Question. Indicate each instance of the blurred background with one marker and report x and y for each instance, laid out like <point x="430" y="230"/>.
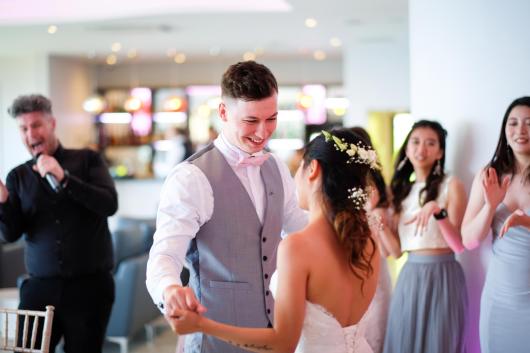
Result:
<point x="139" y="81"/>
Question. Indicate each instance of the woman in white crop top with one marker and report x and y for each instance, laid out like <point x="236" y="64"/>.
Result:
<point x="427" y="311"/>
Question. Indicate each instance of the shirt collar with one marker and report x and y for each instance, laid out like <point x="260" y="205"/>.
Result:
<point x="232" y="153"/>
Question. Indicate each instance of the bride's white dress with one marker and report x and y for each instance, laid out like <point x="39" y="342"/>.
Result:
<point x="322" y="333"/>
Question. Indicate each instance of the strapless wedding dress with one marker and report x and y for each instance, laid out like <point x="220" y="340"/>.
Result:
<point x="322" y="333"/>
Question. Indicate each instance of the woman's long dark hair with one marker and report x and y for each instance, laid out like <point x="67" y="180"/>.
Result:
<point x="403" y="169"/>
<point x="503" y="160"/>
<point x="377" y="176"/>
<point x="349" y="221"/>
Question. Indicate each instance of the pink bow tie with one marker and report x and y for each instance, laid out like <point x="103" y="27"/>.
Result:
<point x="252" y="160"/>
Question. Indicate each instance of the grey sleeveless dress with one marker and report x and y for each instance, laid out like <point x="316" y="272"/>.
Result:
<point x="505" y="304"/>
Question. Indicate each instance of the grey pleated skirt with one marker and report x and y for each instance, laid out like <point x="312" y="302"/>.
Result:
<point x="428" y="307"/>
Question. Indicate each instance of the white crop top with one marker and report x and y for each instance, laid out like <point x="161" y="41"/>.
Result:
<point x="431" y="237"/>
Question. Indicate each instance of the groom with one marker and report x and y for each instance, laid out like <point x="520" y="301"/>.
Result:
<point x="222" y="211"/>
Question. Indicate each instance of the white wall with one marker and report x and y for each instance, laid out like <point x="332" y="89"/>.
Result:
<point x="469" y="60"/>
<point x="138" y="198"/>
<point x="376" y="73"/>
<point x="71" y="82"/>
<point x="18" y="75"/>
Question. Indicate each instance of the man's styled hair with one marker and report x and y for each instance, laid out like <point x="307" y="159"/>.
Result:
<point x="248" y="81"/>
<point x="29" y="104"/>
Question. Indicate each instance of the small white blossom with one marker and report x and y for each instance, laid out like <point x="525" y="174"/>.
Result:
<point x="358" y="197"/>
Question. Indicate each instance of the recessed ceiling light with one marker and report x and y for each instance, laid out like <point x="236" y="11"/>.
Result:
<point x="319" y="55"/>
<point x="180" y="58"/>
<point x="52" y="29"/>
<point x="111" y="59"/>
<point x="310" y="22"/>
<point x="249" y="56"/>
<point x="335" y="42"/>
<point x="116" y="47"/>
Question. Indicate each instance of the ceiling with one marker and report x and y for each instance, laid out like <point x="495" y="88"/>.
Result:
<point x="200" y="29"/>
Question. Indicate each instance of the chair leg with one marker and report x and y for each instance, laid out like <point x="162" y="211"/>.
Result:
<point x="122" y="341"/>
<point x="153" y="326"/>
<point x="124" y="346"/>
<point x="149" y="333"/>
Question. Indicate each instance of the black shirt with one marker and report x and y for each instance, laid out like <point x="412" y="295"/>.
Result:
<point x="67" y="233"/>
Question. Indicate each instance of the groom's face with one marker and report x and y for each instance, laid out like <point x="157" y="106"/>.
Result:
<point x="248" y="125"/>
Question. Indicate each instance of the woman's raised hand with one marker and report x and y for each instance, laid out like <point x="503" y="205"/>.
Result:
<point x="494" y="191"/>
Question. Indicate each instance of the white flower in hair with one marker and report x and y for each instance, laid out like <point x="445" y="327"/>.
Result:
<point x="358" y="196"/>
<point x="352" y="151"/>
<point x="357" y="153"/>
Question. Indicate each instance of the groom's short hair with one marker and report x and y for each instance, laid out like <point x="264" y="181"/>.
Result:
<point x="248" y="81"/>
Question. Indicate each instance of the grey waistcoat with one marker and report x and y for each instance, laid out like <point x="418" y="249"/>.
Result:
<point x="233" y="255"/>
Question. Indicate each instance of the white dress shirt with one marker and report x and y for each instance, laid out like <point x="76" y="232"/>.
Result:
<point x="186" y="203"/>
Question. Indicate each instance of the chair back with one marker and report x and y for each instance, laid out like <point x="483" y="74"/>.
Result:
<point x="23" y="330"/>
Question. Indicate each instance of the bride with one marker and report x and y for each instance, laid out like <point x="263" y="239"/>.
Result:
<point x="326" y="273"/>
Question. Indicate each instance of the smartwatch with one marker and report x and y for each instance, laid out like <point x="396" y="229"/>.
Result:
<point x="440" y="215"/>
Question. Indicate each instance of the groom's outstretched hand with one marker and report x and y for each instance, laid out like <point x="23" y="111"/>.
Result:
<point x="177" y="298"/>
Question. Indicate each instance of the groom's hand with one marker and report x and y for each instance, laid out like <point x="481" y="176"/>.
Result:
<point x="177" y="298"/>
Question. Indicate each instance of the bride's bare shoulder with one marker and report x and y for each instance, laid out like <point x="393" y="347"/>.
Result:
<point x="305" y="242"/>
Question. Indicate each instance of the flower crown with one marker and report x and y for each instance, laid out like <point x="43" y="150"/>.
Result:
<point x="357" y="153"/>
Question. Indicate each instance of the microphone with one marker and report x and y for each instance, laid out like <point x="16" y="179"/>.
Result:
<point x="50" y="178"/>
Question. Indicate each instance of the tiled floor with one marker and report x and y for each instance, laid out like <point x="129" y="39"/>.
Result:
<point x="165" y="342"/>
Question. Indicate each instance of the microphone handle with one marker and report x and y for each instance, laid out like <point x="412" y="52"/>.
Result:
<point x="52" y="181"/>
<point x="50" y="178"/>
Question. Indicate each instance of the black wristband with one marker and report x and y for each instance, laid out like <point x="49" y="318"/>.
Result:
<point x="440" y="215"/>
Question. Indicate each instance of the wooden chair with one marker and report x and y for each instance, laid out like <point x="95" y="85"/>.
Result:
<point x="25" y="323"/>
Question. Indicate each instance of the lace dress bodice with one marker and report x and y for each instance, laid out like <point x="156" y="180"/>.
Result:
<point x="322" y="333"/>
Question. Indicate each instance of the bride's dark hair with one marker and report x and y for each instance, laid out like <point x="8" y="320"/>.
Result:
<point x="338" y="176"/>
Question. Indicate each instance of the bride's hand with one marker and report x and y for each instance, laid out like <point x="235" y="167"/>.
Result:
<point x="184" y="321"/>
<point x="377" y="220"/>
